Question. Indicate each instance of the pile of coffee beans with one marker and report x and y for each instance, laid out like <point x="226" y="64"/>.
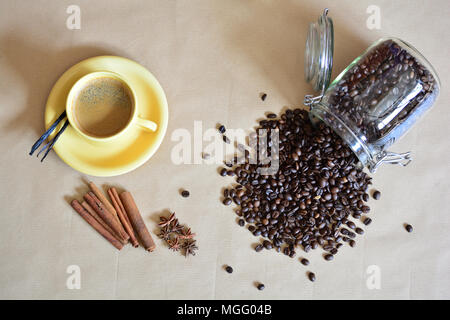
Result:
<point x="311" y="200"/>
<point x="373" y="94"/>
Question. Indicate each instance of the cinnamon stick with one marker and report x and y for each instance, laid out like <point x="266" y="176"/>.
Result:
<point x="122" y="216"/>
<point x="137" y="221"/>
<point x="103" y="199"/>
<point x="96" y="225"/>
<point x="99" y="220"/>
<point x="106" y="216"/>
<point x="116" y="195"/>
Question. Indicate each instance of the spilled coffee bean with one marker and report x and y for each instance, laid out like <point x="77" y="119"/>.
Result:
<point x="222" y="129"/>
<point x="328" y="257"/>
<point x="229" y="269"/>
<point x="185" y="193"/>
<point x="376" y="195"/>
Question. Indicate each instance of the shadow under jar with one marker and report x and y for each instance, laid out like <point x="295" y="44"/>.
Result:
<point x="376" y="99"/>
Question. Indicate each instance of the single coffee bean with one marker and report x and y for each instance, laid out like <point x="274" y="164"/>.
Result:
<point x="225" y="139"/>
<point x="376" y="195"/>
<point x="259" y="247"/>
<point x="408" y="227"/>
<point x="263" y="96"/>
<point x="352" y="243"/>
<point x="267" y="244"/>
<point x="359" y="231"/>
<point x="351" y="224"/>
<point x="222" y="129"/>
<point x="328" y="257"/>
<point x="223" y="172"/>
<point x="367" y="221"/>
<point x="228" y="164"/>
<point x="304" y="261"/>
<point x="365" y="209"/>
<point x="227" y="201"/>
<point x="241" y="222"/>
<point x="271" y="116"/>
<point x="311" y="276"/>
<point x="185" y="193"/>
<point x="229" y="269"/>
<point x="261" y="287"/>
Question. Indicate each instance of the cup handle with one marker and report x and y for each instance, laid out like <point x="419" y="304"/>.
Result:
<point x="146" y="124"/>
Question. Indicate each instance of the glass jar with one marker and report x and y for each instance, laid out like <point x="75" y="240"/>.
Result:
<point x="375" y="100"/>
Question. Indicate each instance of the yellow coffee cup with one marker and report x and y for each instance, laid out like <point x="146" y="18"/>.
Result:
<point x="133" y="119"/>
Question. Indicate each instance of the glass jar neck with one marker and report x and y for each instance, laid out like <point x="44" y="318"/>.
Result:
<point x="319" y="111"/>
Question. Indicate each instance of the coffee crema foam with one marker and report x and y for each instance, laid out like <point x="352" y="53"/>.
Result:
<point x="102" y="107"/>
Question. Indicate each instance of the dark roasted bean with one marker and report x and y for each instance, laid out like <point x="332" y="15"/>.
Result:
<point x="351" y="225"/>
<point x="328" y="257"/>
<point x="185" y="193"/>
<point x="311" y="276"/>
<point x="367" y="221"/>
<point x="229" y="269"/>
<point x="408" y="227"/>
<point x="267" y="244"/>
<point x="261" y="286"/>
<point x="376" y="195"/>
<point x="304" y="261"/>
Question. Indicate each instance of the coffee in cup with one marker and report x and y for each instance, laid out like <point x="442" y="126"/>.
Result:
<point x="102" y="106"/>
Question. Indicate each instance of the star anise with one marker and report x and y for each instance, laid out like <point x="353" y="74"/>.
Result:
<point x="175" y="226"/>
<point x="165" y="233"/>
<point x="186" y="233"/>
<point x="174" y="244"/>
<point x="166" y="221"/>
<point x="189" y="248"/>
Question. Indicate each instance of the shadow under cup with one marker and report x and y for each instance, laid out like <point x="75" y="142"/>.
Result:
<point x="100" y="105"/>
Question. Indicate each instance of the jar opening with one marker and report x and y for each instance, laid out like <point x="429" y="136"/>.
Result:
<point x="319" y="52"/>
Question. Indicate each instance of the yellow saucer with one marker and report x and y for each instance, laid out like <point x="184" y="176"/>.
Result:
<point x="125" y="153"/>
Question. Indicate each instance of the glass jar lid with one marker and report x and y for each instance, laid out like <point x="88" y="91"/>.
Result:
<point x="319" y="52"/>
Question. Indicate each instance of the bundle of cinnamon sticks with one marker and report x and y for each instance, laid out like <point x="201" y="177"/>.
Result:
<point x="119" y="222"/>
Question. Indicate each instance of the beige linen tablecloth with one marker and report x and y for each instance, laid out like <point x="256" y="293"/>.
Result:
<point x="213" y="58"/>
